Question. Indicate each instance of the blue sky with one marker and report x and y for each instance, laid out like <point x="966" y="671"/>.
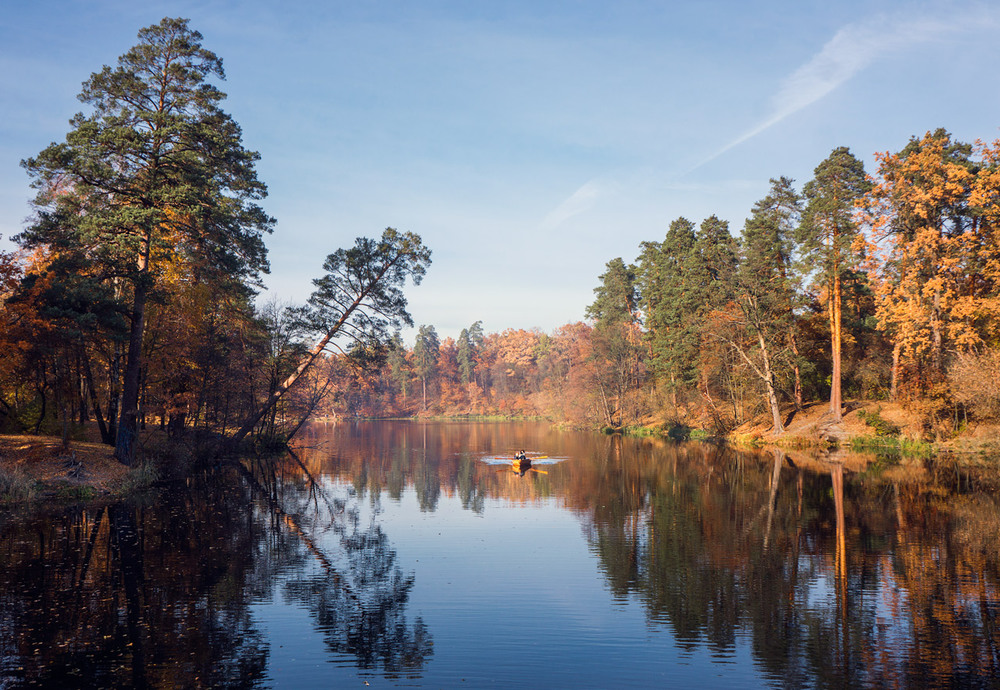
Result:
<point x="530" y="142"/>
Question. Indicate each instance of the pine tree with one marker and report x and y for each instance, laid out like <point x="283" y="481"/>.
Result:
<point x="425" y="356"/>
<point x="156" y="169"/>
<point x="615" y="336"/>
<point x="470" y="341"/>
<point x="672" y="296"/>
<point x="826" y="237"/>
<point x="763" y="289"/>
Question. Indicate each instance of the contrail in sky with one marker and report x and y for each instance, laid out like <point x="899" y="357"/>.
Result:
<point x="851" y="50"/>
<point x="578" y="202"/>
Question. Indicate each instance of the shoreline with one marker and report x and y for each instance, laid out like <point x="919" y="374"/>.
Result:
<point x="41" y="469"/>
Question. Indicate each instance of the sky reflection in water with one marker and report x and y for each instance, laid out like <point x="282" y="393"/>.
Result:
<point x="396" y="553"/>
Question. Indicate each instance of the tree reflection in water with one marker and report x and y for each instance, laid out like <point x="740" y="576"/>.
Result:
<point x="857" y="573"/>
<point x="359" y="597"/>
<point x="850" y="572"/>
<point x="131" y="595"/>
<point x="158" y="594"/>
<point x="805" y="562"/>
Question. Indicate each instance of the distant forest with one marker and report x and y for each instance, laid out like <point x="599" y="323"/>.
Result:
<point x="133" y="302"/>
<point x="879" y="286"/>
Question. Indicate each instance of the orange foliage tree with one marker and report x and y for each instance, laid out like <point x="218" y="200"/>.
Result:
<point x="930" y="250"/>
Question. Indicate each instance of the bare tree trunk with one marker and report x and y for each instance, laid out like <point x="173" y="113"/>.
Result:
<point x="106" y="436"/>
<point x="894" y="386"/>
<point x="936" y="337"/>
<point x="836" y="402"/>
<point x="708" y="396"/>
<point x="114" y="389"/>
<point x="607" y="408"/>
<point x="772" y="396"/>
<point x="795" y="369"/>
<point x="125" y="442"/>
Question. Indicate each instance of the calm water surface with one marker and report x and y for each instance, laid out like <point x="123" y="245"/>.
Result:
<point x="412" y="555"/>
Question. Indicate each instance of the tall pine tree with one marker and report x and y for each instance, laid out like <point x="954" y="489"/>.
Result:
<point x="156" y="169"/>
<point x="826" y="239"/>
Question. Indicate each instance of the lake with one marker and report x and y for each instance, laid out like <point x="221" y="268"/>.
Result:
<point x="408" y="554"/>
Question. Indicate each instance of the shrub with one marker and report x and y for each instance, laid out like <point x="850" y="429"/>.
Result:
<point x="16" y="487"/>
<point x="877" y="423"/>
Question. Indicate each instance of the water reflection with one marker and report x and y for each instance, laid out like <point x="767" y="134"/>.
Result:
<point x="358" y="594"/>
<point x="808" y="571"/>
<point x="129" y="596"/>
<point x="842" y="572"/>
<point x="160" y="594"/>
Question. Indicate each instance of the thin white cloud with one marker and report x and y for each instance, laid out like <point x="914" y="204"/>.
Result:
<point x="583" y="199"/>
<point x="851" y="50"/>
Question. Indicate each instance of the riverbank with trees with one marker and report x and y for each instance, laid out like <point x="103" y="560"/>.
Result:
<point x="863" y="291"/>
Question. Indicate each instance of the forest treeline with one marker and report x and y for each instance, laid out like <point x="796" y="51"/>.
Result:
<point x="132" y="300"/>
<point x="880" y="286"/>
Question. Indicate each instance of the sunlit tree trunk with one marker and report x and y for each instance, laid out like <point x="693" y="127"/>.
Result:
<point x="836" y="402"/>
<point x="894" y="386"/>
<point x="772" y="395"/>
<point x="797" y="376"/>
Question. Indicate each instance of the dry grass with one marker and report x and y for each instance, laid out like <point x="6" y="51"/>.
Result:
<point x="43" y="462"/>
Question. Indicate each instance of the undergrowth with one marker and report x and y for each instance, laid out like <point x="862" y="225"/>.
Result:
<point x="16" y="487"/>
<point x="894" y="444"/>
<point x="879" y="424"/>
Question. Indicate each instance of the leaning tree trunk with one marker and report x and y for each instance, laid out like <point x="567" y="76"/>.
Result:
<point x="253" y="419"/>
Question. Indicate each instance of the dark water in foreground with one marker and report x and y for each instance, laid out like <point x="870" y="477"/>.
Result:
<point x="396" y="554"/>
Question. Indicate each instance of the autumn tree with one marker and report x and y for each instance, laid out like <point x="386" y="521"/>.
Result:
<point x="826" y="237"/>
<point x="63" y="311"/>
<point x="984" y="199"/>
<point x="932" y="250"/>
<point x="10" y="273"/>
<point x="156" y="169"/>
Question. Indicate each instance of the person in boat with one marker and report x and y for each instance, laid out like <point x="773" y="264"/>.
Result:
<point x="520" y="456"/>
